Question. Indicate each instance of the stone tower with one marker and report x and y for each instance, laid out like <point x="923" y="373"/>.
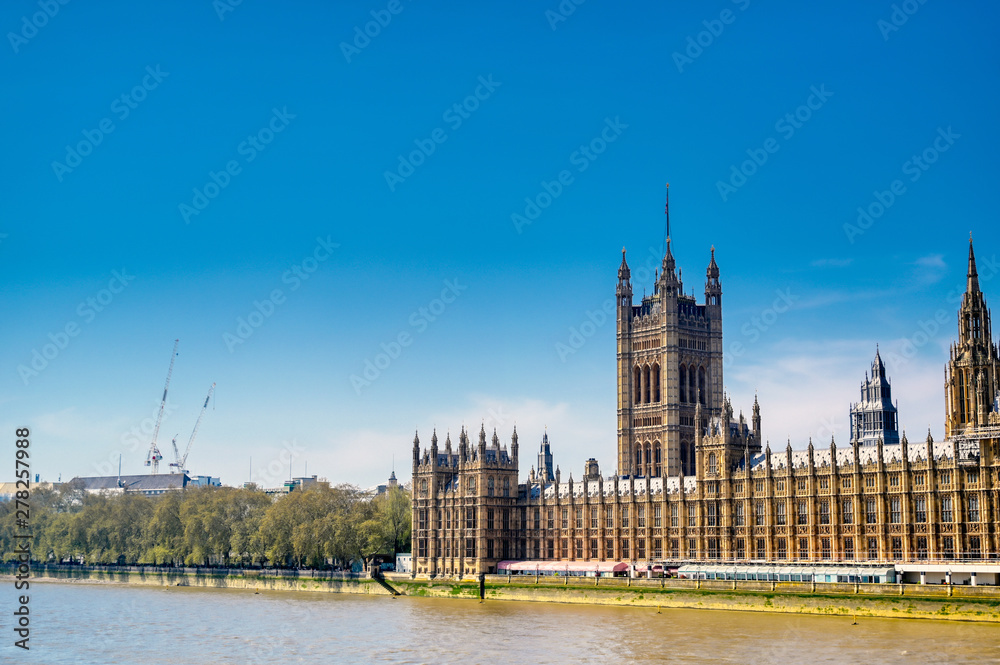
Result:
<point x="463" y="505"/>
<point x="875" y="416"/>
<point x="545" y="473"/>
<point x="726" y="442"/>
<point x="973" y="372"/>
<point x="669" y="361"/>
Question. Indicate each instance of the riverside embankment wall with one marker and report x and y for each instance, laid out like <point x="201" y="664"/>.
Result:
<point x="956" y="603"/>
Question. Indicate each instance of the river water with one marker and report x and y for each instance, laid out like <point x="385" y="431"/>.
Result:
<point x="106" y="624"/>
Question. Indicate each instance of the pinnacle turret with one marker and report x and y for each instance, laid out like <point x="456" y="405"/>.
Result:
<point x="669" y="264"/>
<point x="713" y="288"/>
<point x="624" y="290"/>
<point x="972" y="285"/>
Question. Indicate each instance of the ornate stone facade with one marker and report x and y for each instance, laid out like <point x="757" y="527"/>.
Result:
<point x="729" y="498"/>
<point x="875" y="417"/>
<point x="669" y="361"/>
<point x="972" y="383"/>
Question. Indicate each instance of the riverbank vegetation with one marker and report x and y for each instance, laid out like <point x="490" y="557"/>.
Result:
<point x="318" y="527"/>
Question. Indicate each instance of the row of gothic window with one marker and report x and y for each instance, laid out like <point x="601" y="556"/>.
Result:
<point x="471" y="486"/>
<point x="648" y="459"/>
<point x="693" y="382"/>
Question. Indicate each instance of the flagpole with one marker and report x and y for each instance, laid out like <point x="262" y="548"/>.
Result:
<point x="666" y="213"/>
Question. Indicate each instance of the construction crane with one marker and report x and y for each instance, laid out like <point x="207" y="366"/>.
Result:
<point x="179" y="461"/>
<point x="153" y="457"/>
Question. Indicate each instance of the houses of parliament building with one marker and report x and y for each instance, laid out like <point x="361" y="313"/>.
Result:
<point x="696" y="483"/>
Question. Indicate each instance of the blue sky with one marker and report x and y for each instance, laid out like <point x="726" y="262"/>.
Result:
<point x="287" y="122"/>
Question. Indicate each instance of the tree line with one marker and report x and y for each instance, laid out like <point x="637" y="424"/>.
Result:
<point x="318" y="527"/>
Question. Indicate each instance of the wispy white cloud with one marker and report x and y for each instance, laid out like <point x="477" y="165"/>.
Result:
<point x="576" y="432"/>
<point x="931" y="261"/>
<point x="806" y="388"/>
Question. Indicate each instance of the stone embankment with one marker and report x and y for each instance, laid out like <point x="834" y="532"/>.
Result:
<point x="910" y="601"/>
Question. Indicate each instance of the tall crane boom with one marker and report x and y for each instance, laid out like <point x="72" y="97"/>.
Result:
<point x="181" y="461"/>
<point x="153" y="457"/>
<point x="173" y="442"/>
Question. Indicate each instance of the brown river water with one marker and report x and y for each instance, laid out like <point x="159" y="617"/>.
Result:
<point x="99" y="624"/>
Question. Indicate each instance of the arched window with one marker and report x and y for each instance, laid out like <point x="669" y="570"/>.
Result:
<point x="649" y="459"/>
<point x="702" y="387"/>
<point x="638" y="458"/>
<point x="683" y="379"/>
<point x="693" y="384"/>
<point x="657" y="460"/>
<point x="506" y="486"/>
<point x="645" y="385"/>
<point x="472" y="485"/>
<point x="423" y="487"/>
<point x="489" y="486"/>
<point x="656" y="382"/>
<point x="713" y="464"/>
<point x="637" y="391"/>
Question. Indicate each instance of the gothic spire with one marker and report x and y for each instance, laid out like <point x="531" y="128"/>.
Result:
<point x="668" y="259"/>
<point x="713" y="289"/>
<point x="878" y="367"/>
<point x="624" y="274"/>
<point x="973" y="277"/>
<point x="624" y="290"/>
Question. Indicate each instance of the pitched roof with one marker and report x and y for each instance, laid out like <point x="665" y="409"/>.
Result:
<point x="137" y="483"/>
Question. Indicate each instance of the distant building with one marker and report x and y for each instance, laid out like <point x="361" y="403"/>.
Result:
<point x="379" y="490"/>
<point x="874" y="418"/>
<point x="293" y="484"/>
<point x="205" y="481"/>
<point x="545" y="471"/>
<point x="9" y="491"/>
<point x="148" y="484"/>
